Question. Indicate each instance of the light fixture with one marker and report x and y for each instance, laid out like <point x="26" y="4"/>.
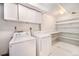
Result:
<point x="61" y="12"/>
<point x="61" y="9"/>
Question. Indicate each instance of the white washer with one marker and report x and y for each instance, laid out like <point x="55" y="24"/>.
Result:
<point x="43" y="43"/>
<point x="22" y="46"/>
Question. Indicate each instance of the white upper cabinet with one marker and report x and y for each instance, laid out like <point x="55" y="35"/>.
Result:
<point x="21" y="13"/>
<point x="35" y="16"/>
<point x="24" y="13"/>
<point x="10" y="11"/>
<point x="29" y="15"/>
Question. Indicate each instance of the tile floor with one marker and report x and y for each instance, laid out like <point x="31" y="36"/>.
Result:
<point x="64" y="49"/>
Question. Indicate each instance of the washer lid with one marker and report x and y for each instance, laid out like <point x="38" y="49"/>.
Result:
<point x="21" y="37"/>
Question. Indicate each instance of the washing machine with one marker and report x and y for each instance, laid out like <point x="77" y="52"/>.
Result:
<point x="43" y="43"/>
<point x="22" y="45"/>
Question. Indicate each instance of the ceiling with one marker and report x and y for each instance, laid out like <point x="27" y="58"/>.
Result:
<point x="45" y="6"/>
<point x="64" y="7"/>
<point x="58" y="8"/>
<point x="71" y="7"/>
<point x="48" y="6"/>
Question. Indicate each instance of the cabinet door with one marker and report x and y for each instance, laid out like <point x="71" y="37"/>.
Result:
<point x="24" y="15"/>
<point x="10" y="11"/>
<point x="38" y="17"/>
<point x="29" y="15"/>
<point x="45" y="46"/>
<point x="35" y="16"/>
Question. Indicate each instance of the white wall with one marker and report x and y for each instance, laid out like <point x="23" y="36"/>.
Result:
<point x="68" y="24"/>
<point x="48" y="23"/>
<point x="7" y="29"/>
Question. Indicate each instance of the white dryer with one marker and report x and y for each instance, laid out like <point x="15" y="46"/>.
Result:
<point x="43" y="43"/>
<point x="22" y="45"/>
